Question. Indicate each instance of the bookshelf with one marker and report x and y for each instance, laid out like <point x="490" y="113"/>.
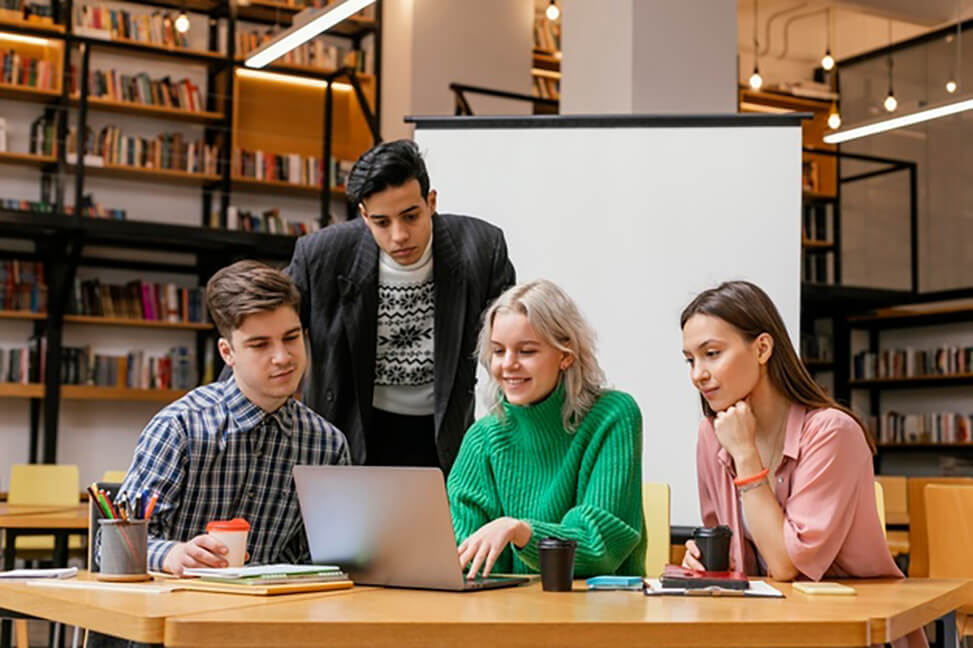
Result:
<point x="924" y="391"/>
<point x="315" y="112"/>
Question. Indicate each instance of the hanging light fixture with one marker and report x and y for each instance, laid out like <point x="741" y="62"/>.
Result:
<point x="890" y="103"/>
<point x="553" y="13"/>
<point x="182" y="22"/>
<point x="884" y="124"/>
<point x="834" y="118"/>
<point x="306" y="25"/>
<point x="827" y="61"/>
<point x="951" y="85"/>
<point x="755" y="79"/>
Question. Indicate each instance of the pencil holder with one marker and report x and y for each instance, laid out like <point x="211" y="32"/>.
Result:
<point x="124" y="550"/>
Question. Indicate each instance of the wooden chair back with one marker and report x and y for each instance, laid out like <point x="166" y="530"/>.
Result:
<point x="918" y="527"/>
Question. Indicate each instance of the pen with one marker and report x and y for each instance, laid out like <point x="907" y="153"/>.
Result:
<point x="151" y="505"/>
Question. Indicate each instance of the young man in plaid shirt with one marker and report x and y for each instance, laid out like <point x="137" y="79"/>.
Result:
<point x="227" y="449"/>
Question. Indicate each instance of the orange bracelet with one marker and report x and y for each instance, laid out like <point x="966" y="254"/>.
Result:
<point x="749" y="480"/>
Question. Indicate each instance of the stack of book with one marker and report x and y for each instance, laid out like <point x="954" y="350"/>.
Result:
<point x="19" y="69"/>
<point x="17" y="10"/>
<point x="266" y="579"/>
<point x="288" y="167"/>
<point x="909" y="363"/>
<point x="138" y="300"/>
<point x="155" y="28"/>
<point x="22" y="286"/>
<point x="936" y="427"/>
<point x="142" y="89"/>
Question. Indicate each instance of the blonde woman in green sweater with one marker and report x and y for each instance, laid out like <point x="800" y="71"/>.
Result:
<point x="558" y="455"/>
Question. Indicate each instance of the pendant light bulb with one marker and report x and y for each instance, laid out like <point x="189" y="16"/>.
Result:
<point x="756" y="80"/>
<point x="834" y="118"/>
<point x="182" y="22"/>
<point x="890" y="102"/>
<point x="553" y="13"/>
<point x="951" y="86"/>
<point x="827" y="61"/>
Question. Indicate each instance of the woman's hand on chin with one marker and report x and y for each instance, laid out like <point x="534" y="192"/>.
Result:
<point x="736" y="430"/>
<point x="488" y="542"/>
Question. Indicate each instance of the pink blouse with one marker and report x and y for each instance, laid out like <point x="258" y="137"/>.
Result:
<point x="825" y="486"/>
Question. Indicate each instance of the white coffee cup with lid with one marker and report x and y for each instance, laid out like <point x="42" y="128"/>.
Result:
<point x="233" y="533"/>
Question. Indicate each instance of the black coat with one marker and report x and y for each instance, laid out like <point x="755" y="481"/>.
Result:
<point x="336" y="270"/>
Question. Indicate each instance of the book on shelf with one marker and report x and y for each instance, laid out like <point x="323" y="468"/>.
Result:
<point x="3" y="135"/>
<point x="267" y="222"/>
<point x="16" y="204"/>
<point x="96" y="20"/>
<point x="288" y="167"/>
<point x="912" y="363"/>
<point x="18" y="10"/>
<point x="43" y="135"/>
<point x="20" y="69"/>
<point x="547" y="33"/>
<point x="816" y="347"/>
<point x="141" y="89"/>
<point x="316" y="53"/>
<point x="176" y="369"/>
<point x="893" y="428"/>
<point x="165" y="151"/>
<point x="22" y="286"/>
<point x="138" y="300"/>
<point x="547" y="88"/>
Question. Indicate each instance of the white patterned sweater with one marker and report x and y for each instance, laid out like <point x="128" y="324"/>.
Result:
<point x="405" y="336"/>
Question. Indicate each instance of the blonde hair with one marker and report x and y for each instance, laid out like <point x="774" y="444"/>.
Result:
<point x="558" y="321"/>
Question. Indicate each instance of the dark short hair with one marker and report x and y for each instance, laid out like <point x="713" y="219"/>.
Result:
<point x="390" y="164"/>
<point x="244" y="288"/>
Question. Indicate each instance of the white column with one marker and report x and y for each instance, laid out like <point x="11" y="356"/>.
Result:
<point x="649" y="56"/>
<point x="428" y="44"/>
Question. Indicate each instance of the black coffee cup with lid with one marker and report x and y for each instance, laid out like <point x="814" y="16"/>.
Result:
<point x="557" y="563"/>
<point x="714" y="547"/>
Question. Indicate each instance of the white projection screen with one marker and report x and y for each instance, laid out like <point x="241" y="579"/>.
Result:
<point x="633" y="216"/>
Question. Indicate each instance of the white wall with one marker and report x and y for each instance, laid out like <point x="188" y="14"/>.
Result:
<point x="633" y="237"/>
<point x="428" y="44"/>
<point x="597" y="61"/>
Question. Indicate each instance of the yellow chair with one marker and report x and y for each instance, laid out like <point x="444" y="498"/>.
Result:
<point x="880" y="504"/>
<point x="44" y="485"/>
<point x="949" y="534"/>
<point x="114" y="476"/>
<point x="655" y="509"/>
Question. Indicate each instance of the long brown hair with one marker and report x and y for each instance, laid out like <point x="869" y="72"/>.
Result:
<point x="750" y="311"/>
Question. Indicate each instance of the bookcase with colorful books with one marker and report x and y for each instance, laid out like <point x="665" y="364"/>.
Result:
<point x="546" y="68"/>
<point x="159" y="108"/>
<point x="912" y="367"/>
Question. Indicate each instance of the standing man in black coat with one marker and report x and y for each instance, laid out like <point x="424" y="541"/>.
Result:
<point x="392" y="302"/>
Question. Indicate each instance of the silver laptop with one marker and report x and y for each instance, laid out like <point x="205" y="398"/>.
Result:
<point x="384" y="526"/>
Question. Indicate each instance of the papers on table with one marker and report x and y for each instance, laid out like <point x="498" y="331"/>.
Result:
<point x="262" y="571"/>
<point x="758" y="589"/>
<point x="63" y="572"/>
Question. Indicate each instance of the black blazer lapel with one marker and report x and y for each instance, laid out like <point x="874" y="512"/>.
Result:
<point x="359" y="313"/>
<point x="449" y="276"/>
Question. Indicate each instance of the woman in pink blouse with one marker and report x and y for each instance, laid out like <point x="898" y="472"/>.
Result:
<point x="778" y="461"/>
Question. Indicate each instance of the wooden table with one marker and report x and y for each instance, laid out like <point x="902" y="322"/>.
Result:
<point x="131" y="615"/>
<point x="528" y="617"/>
<point x="38" y="520"/>
<point x="41" y="520"/>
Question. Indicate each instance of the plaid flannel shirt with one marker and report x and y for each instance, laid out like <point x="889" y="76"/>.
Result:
<point x="214" y="455"/>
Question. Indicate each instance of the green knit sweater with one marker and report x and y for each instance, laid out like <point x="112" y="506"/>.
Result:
<point x="583" y="485"/>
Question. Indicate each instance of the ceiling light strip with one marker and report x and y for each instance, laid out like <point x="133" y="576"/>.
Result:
<point x="900" y="121"/>
<point x="301" y="33"/>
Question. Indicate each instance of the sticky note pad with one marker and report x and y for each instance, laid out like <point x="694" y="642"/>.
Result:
<point x="824" y="588"/>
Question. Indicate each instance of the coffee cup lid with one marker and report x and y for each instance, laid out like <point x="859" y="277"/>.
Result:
<point x="555" y="543"/>
<point x="236" y="524"/>
<point x="712" y="532"/>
